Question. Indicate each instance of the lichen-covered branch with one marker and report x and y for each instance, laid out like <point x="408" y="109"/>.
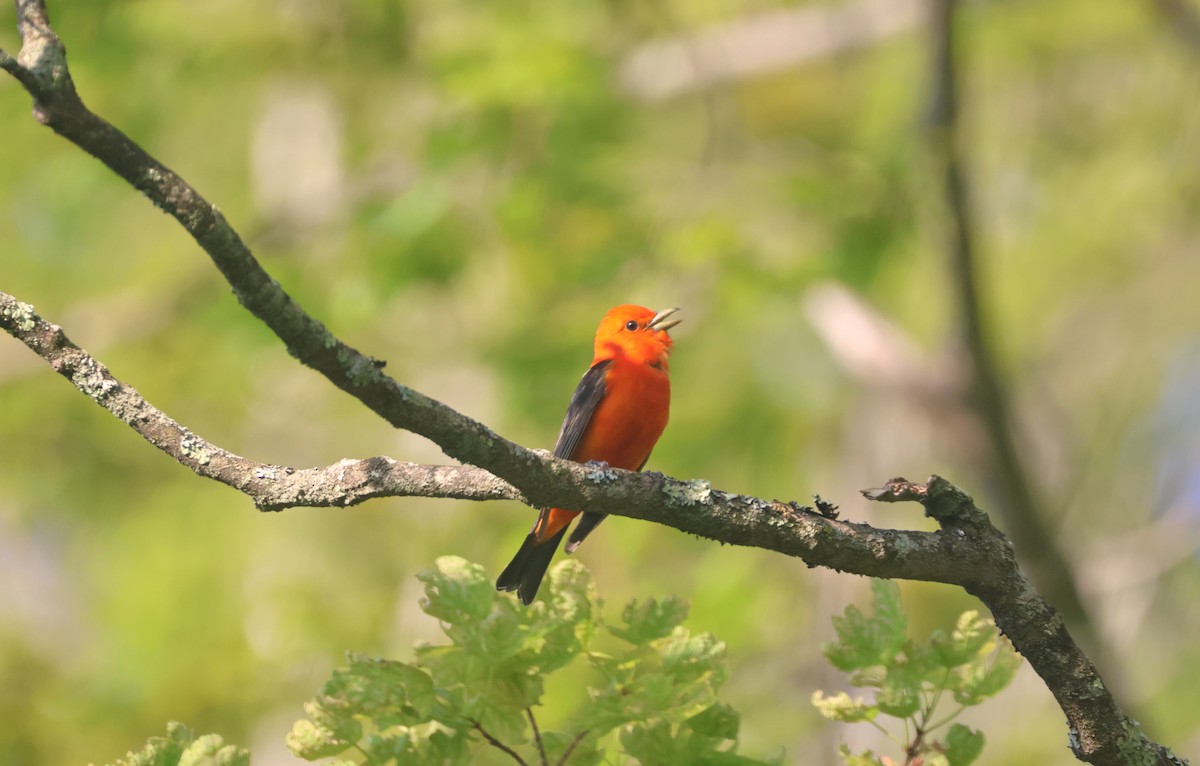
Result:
<point x="42" y="68"/>
<point x="691" y="506"/>
<point x="271" y="487"/>
<point x="1100" y="732"/>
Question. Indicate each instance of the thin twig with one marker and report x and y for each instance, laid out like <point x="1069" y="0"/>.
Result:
<point x="883" y="730"/>
<point x="498" y="744"/>
<point x="537" y="736"/>
<point x="948" y="718"/>
<point x="10" y="64"/>
<point x="571" y="747"/>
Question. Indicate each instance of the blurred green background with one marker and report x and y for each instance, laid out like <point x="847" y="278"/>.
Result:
<point x="463" y="188"/>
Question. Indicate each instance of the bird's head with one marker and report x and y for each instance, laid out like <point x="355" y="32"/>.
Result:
<point x="637" y="333"/>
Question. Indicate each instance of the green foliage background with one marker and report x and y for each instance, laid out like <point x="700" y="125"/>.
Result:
<point x="462" y="188"/>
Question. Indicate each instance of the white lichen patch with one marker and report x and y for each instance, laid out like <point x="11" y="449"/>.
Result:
<point x="358" y="369"/>
<point x="192" y="447"/>
<point x="600" y="472"/>
<point x="879" y="547"/>
<point x="904" y="547"/>
<point x="90" y="378"/>
<point x="777" y="520"/>
<point x="21" y="315"/>
<point x="694" y="492"/>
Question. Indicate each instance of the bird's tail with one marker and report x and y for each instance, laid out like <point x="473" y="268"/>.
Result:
<point x="525" y="572"/>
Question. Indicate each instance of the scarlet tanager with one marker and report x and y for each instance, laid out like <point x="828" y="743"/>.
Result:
<point x="616" y="415"/>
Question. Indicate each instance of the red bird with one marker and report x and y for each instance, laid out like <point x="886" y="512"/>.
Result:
<point x="616" y="415"/>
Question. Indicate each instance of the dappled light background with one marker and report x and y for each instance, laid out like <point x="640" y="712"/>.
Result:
<point x="462" y="189"/>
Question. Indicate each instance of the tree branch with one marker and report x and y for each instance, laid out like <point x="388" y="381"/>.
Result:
<point x="1018" y="503"/>
<point x="691" y="506"/>
<point x="43" y="71"/>
<point x="271" y="487"/>
<point x="1100" y="732"/>
<point x="967" y="551"/>
<point x="1183" y="19"/>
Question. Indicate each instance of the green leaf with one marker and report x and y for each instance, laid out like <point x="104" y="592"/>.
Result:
<point x="181" y="748"/>
<point x="899" y="696"/>
<point x="671" y="678"/>
<point x="982" y="679"/>
<point x="902" y="681"/>
<point x="161" y="751"/>
<point x="717" y="720"/>
<point x="457" y="591"/>
<point x="688" y="658"/>
<point x="430" y="744"/>
<point x="571" y="614"/>
<point x="657" y="742"/>
<point x="585" y="753"/>
<point x="651" y="742"/>
<point x="396" y="698"/>
<point x="573" y="590"/>
<point x="874" y="675"/>
<point x="963" y="745"/>
<point x="393" y="693"/>
<point x="651" y="619"/>
<point x="211" y="750"/>
<point x="312" y="741"/>
<point x="885" y="600"/>
<point x="867" y="758"/>
<point x="840" y="707"/>
<point x="866" y="641"/>
<point x="973" y="636"/>
<point x="497" y="660"/>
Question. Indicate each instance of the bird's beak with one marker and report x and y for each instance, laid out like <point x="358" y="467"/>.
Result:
<point x="661" y="320"/>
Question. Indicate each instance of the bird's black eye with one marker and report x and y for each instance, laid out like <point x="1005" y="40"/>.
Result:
<point x="631" y="325"/>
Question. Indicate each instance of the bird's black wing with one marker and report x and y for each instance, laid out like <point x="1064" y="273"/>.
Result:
<point x="524" y="574"/>
<point x="587" y="397"/>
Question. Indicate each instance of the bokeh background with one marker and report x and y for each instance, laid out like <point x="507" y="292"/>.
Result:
<point x="462" y="188"/>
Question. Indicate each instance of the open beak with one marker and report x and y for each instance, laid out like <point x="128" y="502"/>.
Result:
<point x="661" y="320"/>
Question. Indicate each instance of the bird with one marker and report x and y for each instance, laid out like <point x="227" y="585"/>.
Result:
<point x="616" y="415"/>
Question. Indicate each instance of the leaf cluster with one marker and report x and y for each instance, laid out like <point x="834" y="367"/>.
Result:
<point x="182" y="748"/>
<point x="657" y="689"/>
<point x="969" y="664"/>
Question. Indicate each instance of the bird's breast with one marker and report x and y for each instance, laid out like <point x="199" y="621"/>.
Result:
<point x="630" y="418"/>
